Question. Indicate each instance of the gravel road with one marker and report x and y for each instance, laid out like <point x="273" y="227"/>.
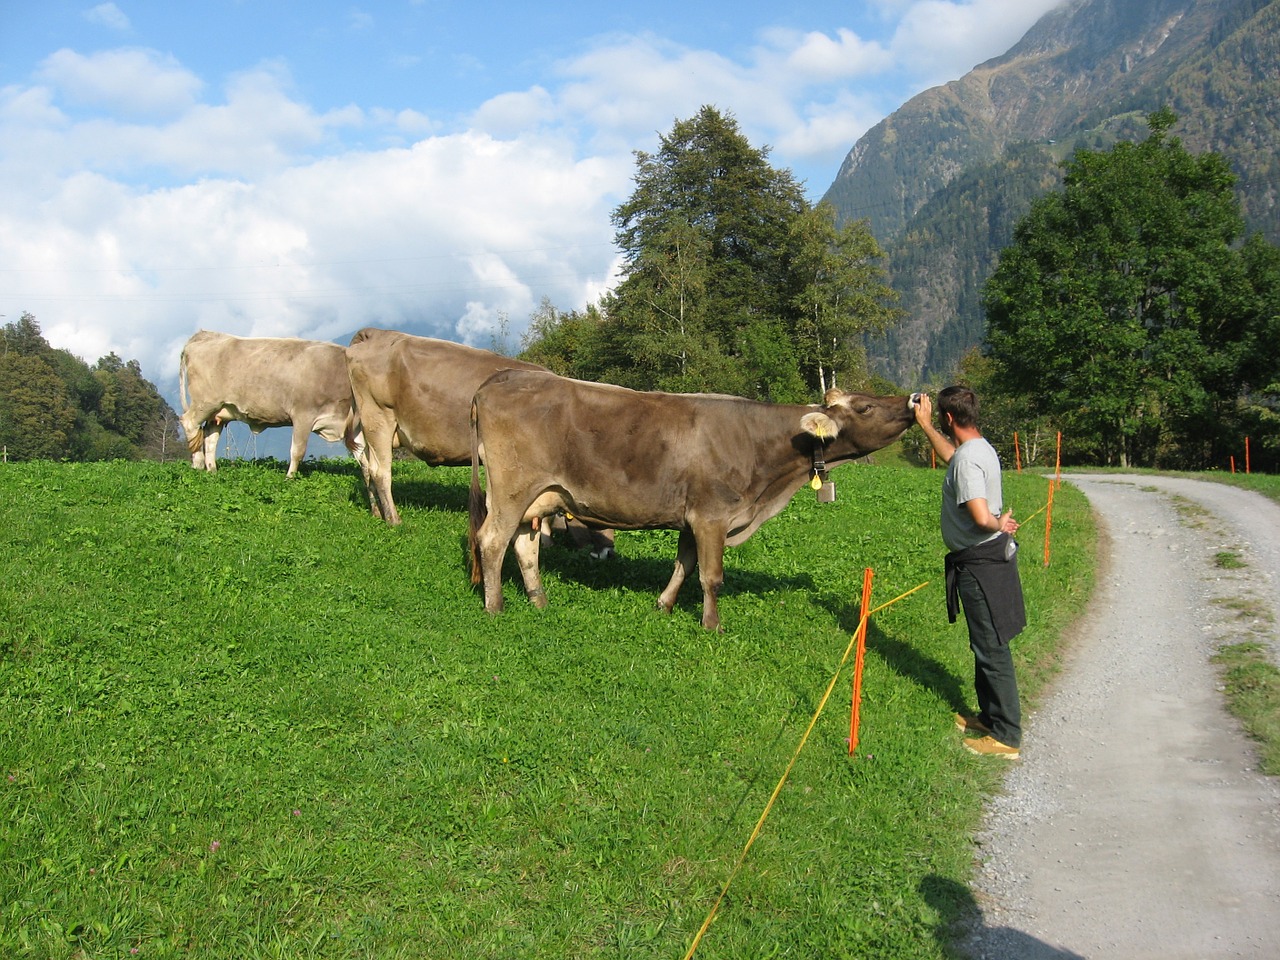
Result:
<point x="1136" y="824"/>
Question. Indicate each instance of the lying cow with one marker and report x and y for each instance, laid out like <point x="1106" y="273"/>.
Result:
<point x="264" y="382"/>
<point x="712" y="467"/>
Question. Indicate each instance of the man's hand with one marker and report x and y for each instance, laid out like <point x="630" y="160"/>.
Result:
<point x="1007" y="523"/>
<point x="924" y="410"/>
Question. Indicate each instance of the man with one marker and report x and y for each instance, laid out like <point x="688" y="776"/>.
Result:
<point x="981" y="568"/>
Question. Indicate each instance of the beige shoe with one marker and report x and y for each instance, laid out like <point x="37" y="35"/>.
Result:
<point x="990" y="747"/>
<point x="971" y="724"/>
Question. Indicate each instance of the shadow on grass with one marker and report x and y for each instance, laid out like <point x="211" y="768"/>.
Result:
<point x="650" y="575"/>
<point x="424" y="494"/>
<point x="907" y="660"/>
<point x="963" y="931"/>
<point x="417" y="493"/>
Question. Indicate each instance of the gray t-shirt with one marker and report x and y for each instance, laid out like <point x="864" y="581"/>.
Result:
<point x="974" y="471"/>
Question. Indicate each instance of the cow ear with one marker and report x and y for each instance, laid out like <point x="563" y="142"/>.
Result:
<point x="819" y="425"/>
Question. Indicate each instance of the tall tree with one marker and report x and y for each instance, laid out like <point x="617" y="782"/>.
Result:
<point x="1116" y="308"/>
<point x="23" y="336"/>
<point x="843" y="293"/>
<point x="706" y="241"/>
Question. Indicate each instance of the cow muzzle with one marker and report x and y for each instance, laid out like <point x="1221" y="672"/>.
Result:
<point x="913" y="401"/>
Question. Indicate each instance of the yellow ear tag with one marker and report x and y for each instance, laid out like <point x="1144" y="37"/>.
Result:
<point x="815" y="483"/>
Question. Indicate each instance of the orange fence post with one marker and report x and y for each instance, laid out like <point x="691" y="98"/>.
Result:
<point x="1048" y="522"/>
<point x="1017" y="452"/>
<point x="858" y="659"/>
<point x="1246" y="454"/>
<point x="1057" y="467"/>
<point x="1233" y="463"/>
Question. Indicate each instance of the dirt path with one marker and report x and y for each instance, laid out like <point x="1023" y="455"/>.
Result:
<point x="1136" y="825"/>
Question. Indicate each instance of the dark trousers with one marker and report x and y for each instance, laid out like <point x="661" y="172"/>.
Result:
<point x="994" y="679"/>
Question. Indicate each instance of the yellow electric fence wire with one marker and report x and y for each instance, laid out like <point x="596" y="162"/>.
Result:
<point x="1033" y="516"/>
<point x="787" y="772"/>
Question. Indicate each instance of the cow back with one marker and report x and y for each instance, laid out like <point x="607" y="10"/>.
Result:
<point x="424" y="386"/>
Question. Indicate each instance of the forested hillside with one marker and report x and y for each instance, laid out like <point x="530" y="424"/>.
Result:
<point x="54" y="406"/>
<point x="944" y="179"/>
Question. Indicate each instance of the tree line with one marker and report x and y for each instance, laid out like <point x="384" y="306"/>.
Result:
<point x="54" y="406"/>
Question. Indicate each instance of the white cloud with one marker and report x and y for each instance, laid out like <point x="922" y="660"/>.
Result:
<point x="510" y="113"/>
<point x="29" y="107"/>
<point x="108" y="15"/>
<point x="447" y="236"/>
<point x="815" y="57"/>
<point x="942" y="40"/>
<point x="830" y="128"/>
<point x="165" y="133"/>
<point x="128" y="81"/>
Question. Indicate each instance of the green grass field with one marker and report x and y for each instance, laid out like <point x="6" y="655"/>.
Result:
<point x="240" y="718"/>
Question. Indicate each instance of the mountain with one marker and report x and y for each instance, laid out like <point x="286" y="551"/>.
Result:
<point x="944" y="179"/>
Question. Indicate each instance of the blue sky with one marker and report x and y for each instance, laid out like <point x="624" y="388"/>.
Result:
<point x="308" y="168"/>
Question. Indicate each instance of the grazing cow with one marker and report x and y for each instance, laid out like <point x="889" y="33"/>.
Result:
<point x="415" y="392"/>
<point x="712" y="467"/>
<point x="265" y="382"/>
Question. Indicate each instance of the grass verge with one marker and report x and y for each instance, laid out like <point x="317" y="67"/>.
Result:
<point x="1253" y="695"/>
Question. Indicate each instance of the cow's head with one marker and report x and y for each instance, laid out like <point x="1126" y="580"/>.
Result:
<point x="852" y="425"/>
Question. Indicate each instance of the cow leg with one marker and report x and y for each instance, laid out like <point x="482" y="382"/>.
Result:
<point x="491" y="540"/>
<point x="526" y="545"/>
<point x="379" y="432"/>
<point x="193" y="428"/>
<point x="367" y="461"/>
<point x="212" y="433"/>
<point x="386" y="507"/>
<point x="686" y="558"/>
<point x="711" y="572"/>
<point x="297" y="448"/>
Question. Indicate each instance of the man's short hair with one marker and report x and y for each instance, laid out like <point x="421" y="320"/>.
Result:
<point x="961" y="403"/>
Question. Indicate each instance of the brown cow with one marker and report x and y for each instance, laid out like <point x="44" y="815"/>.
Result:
<point x="415" y="392"/>
<point x="712" y="467"/>
<point x="265" y="382"/>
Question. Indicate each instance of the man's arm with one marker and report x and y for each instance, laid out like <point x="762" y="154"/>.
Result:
<point x="943" y="447"/>
<point x="986" y="520"/>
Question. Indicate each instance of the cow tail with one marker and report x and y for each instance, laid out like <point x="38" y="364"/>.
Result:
<point x="476" y="502"/>
<point x="195" y="436"/>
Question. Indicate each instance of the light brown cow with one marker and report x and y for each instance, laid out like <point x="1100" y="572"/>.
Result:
<point x="415" y="392"/>
<point x="712" y="467"/>
<point x="264" y="382"/>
